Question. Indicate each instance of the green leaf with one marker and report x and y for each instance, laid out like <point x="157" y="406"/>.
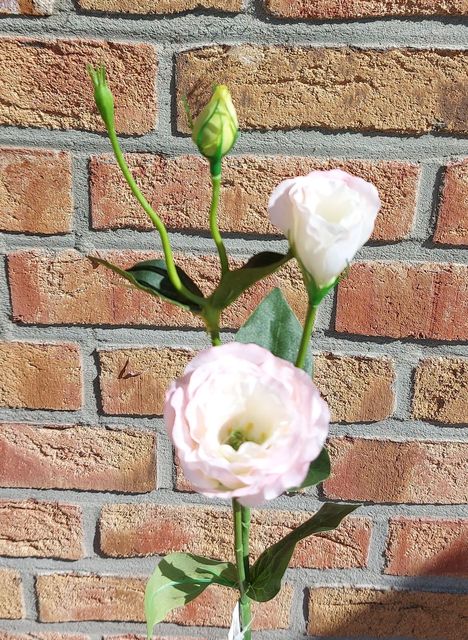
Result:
<point x="151" y="276"/>
<point x="319" y="470"/>
<point x="178" y="579"/>
<point x="234" y="283"/>
<point x="274" y="326"/>
<point x="268" y="571"/>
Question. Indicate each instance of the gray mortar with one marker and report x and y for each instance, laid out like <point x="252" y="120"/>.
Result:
<point x="171" y="35"/>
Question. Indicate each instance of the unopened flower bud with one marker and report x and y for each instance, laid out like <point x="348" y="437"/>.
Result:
<point x="102" y="94"/>
<point x="216" y="128"/>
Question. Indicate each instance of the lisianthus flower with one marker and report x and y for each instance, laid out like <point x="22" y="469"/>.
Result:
<point x="245" y="423"/>
<point x="327" y="217"/>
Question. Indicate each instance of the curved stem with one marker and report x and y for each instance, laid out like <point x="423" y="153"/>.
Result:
<point x="306" y="333"/>
<point x="214" y="229"/>
<point x="241" y="546"/>
<point x="155" y="219"/>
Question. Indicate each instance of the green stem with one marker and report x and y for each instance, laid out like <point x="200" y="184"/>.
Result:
<point x="214" y="229"/>
<point x="307" y="332"/>
<point x="241" y="545"/>
<point x="155" y="219"/>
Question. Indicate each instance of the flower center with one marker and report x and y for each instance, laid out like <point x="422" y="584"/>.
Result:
<point x="235" y="436"/>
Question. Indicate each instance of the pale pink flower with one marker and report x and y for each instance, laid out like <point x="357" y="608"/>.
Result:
<point x="245" y="423"/>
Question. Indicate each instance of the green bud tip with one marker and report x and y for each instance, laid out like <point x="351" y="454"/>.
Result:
<point x="102" y="94"/>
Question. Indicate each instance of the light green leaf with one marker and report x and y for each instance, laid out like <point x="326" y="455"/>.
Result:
<point x="268" y="571"/>
<point x="178" y="579"/>
<point x="274" y="326"/>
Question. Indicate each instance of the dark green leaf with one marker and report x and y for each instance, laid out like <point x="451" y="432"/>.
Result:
<point x="267" y="572"/>
<point x="178" y="579"/>
<point x="274" y="326"/>
<point x="234" y="283"/>
<point x="151" y="276"/>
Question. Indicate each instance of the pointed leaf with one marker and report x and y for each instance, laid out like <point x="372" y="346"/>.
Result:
<point x="267" y="572"/>
<point x="319" y="470"/>
<point x="178" y="579"/>
<point x="151" y="276"/>
<point x="274" y="326"/>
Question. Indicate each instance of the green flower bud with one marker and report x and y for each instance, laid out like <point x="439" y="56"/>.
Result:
<point x="216" y="129"/>
<point x="102" y="94"/>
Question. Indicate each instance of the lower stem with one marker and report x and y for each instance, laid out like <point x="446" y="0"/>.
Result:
<point x="306" y="334"/>
<point x="241" y="545"/>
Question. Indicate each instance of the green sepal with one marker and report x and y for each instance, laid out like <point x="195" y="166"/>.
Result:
<point x="268" y="571"/>
<point x="273" y="325"/>
<point x="319" y="470"/>
<point x="178" y="579"/>
<point x="152" y="277"/>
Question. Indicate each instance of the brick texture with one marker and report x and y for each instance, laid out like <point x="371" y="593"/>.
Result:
<point x="357" y="389"/>
<point x="452" y="221"/>
<point x="139" y="530"/>
<point x="441" y="390"/>
<point x="292" y="87"/>
<point x="427" y="547"/>
<point x="44" y="84"/>
<point x="77" y="597"/>
<point x="398" y="300"/>
<point x="28" y="7"/>
<point x="179" y="189"/>
<point x="76" y="458"/>
<point x="35" y="191"/>
<point x="11" y="595"/>
<point x="6" y="635"/>
<point x="332" y="10"/>
<point x="386" y="471"/>
<point x="26" y="366"/>
<point x="159" y="6"/>
<point x="40" y="529"/>
<point x="364" y="612"/>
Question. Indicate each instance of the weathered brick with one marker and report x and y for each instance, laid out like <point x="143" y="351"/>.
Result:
<point x="332" y="10"/>
<point x="65" y="288"/>
<point x="386" y="471"/>
<point x="11" y="595"/>
<point x="427" y="547"/>
<point x="342" y="88"/>
<point x="131" y="636"/>
<point x="441" y="390"/>
<point x="128" y="530"/>
<point x="6" y="635"/>
<point x="179" y="189"/>
<point x="35" y="191"/>
<point x="134" y="381"/>
<point x="77" y="597"/>
<point x="28" y="7"/>
<point x="160" y="6"/>
<point x="40" y="376"/>
<point x="452" y="221"/>
<point x="357" y="388"/>
<point x="44" y="83"/>
<point x="40" y="529"/>
<point x="398" y="300"/>
<point x="420" y="615"/>
<point x="69" y="457"/>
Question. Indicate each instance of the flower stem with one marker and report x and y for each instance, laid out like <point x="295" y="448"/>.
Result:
<point x="306" y="333"/>
<point x="241" y="545"/>
<point x="214" y="229"/>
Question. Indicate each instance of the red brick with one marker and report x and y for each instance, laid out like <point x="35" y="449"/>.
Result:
<point x="332" y="10"/>
<point x="441" y="390"/>
<point x="40" y="376"/>
<point x="278" y="87"/>
<point x="45" y="84"/>
<point x="180" y="191"/>
<point x="28" y="7"/>
<point x="398" y="300"/>
<point x="65" y="288"/>
<point x="6" y="635"/>
<point x="40" y="529"/>
<point x="11" y="595"/>
<point x="128" y="530"/>
<point x="427" y="547"/>
<point x="355" y="613"/>
<point x="452" y="221"/>
<point x="35" y="191"/>
<point x="69" y="457"/>
<point x="160" y="6"/>
<point x="78" y="597"/>
<point x="386" y="471"/>
<point x="132" y="636"/>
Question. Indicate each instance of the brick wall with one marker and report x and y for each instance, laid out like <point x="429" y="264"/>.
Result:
<point x="90" y="490"/>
